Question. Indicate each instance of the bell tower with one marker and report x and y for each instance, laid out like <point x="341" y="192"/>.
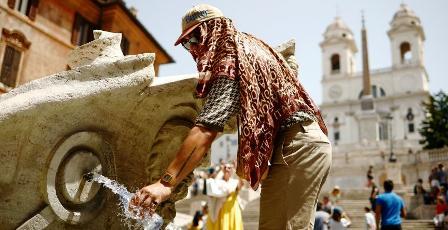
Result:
<point x="406" y="38"/>
<point x="338" y="50"/>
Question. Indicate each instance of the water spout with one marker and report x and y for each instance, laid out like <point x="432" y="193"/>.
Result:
<point x="88" y="176"/>
<point x="148" y="222"/>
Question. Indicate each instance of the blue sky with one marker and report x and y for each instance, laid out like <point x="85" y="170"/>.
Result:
<point x="279" y="21"/>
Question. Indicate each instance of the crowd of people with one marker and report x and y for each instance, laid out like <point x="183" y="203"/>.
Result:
<point x="437" y="194"/>
<point x="437" y="186"/>
<point x="329" y="215"/>
<point x="386" y="209"/>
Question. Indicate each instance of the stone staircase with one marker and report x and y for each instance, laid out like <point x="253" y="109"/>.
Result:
<point x="251" y="214"/>
<point x="354" y="207"/>
<point x="184" y="206"/>
<point x="355" y="210"/>
<point x="352" y="203"/>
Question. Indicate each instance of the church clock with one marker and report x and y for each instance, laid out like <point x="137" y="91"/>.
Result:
<point x="335" y="92"/>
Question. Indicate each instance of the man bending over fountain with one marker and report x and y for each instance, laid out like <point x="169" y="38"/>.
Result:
<point x="278" y="122"/>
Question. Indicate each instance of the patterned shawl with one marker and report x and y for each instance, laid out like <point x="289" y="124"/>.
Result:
<point x="269" y="90"/>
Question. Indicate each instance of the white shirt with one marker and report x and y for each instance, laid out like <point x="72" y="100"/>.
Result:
<point x="335" y="225"/>
<point x="370" y="221"/>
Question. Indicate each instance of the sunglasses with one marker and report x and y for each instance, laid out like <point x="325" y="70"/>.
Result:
<point x="187" y="43"/>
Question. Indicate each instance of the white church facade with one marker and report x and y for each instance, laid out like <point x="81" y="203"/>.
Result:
<point x="388" y="128"/>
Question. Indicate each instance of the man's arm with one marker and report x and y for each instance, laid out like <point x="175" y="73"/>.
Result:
<point x="222" y="103"/>
<point x="403" y="212"/>
<point x="378" y="215"/>
<point x="187" y="158"/>
<point x="193" y="149"/>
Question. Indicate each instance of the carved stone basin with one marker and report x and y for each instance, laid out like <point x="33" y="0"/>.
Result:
<point x="108" y="114"/>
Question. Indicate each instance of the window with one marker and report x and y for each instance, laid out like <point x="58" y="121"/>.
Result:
<point x="82" y="31"/>
<point x="10" y="66"/>
<point x="374" y="91"/>
<point x="410" y="117"/>
<point x="382" y="92"/>
<point x="405" y="52"/>
<point x="124" y="45"/>
<point x="335" y="63"/>
<point x="383" y="131"/>
<point x="336" y="136"/>
<point x="26" y="7"/>
<point x="15" y="44"/>
<point x="377" y="91"/>
<point x="22" y="6"/>
<point x="411" y="128"/>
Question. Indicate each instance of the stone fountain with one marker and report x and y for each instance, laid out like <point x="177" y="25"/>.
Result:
<point x="108" y="114"/>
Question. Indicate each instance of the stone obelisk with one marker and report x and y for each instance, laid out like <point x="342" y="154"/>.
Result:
<point x="368" y="116"/>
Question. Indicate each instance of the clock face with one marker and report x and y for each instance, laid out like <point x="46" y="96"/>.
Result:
<point x="335" y="92"/>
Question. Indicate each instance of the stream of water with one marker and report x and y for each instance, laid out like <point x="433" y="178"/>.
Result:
<point x="147" y="222"/>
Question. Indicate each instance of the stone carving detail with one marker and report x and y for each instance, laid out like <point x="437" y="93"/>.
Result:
<point x="107" y="113"/>
<point x="15" y="38"/>
<point x="287" y="50"/>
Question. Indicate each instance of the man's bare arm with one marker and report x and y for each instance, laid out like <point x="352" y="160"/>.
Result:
<point x="403" y="212"/>
<point x="378" y="215"/>
<point x="191" y="152"/>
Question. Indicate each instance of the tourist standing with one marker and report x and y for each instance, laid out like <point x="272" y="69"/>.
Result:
<point x="374" y="191"/>
<point x="197" y="223"/>
<point x="421" y="193"/>
<point x="240" y="75"/>
<point x="389" y="208"/>
<point x="321" y="218"/>
<point x="335" y="195"/>
<point x="335" y="222"/>
<point x="370" y="219"/>
<point x="434" y="178"/>
<point x="370" y="175"/>
<point x="326" y="204"/>
<point x="441" y="208"/>
<point x="441" y="175"/>
<point x="226" y="212"/>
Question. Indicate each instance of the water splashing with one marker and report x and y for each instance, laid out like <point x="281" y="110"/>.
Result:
<point x="147" y="222"/>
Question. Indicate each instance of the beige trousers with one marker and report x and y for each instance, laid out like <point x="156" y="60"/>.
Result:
<point x="299" y="167"/>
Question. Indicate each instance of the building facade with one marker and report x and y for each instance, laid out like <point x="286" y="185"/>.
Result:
<point x="373" y="116"/>
<point x="37" y="35"/>
<point x="224" y="148"/>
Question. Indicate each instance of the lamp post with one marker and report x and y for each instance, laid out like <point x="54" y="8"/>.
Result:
<point x="392" y="157"/>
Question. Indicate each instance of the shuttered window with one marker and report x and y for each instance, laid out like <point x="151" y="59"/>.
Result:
<point x="22" y="6"/>
<point x="26" y="7"/>
<point x="82" y="31"/>
<point x="10" y="66"/>
<point x="124" y="45"/>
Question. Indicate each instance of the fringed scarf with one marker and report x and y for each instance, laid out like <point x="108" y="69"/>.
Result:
<point x="269" y="90"/>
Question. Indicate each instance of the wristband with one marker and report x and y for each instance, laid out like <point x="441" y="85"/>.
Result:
<point x="168" y="179"/>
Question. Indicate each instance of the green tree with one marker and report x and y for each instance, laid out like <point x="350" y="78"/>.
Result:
<point x="434" y="128"/>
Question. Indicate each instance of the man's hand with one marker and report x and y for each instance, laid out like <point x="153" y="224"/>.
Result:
<point x="148" y="198"/>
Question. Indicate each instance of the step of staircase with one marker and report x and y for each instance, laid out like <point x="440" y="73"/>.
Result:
<point x="352" y="205"/>
<point x="353" y="208"/>
<point x="251" y="214"/>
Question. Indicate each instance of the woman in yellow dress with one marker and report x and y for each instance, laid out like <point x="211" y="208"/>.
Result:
<point x="228" y="209"/>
